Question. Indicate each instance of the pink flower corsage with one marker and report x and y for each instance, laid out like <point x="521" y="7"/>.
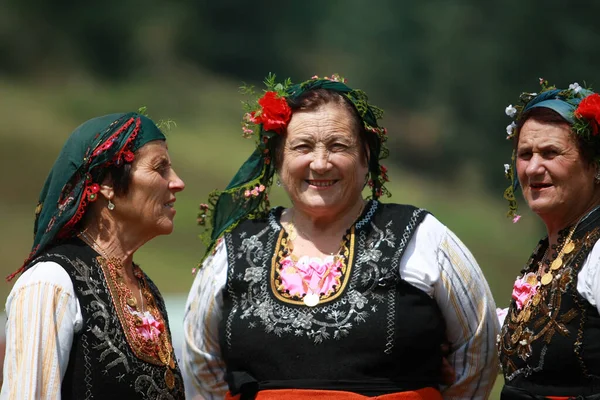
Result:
<point x="149" y="328"/>
<point x="310" y="274"/>
<point x="524" y="290"/>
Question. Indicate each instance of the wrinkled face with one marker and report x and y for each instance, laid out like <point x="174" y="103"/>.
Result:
<point x="149" y="202"/>
<point x="323" y="167"/>
<point x="557" y="182"/>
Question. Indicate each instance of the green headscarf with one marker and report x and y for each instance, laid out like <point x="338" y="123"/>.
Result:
<point x="71" y="185"/>
<point x="246" y="196"/>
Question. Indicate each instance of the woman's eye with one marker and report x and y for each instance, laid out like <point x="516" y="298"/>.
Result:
<point x="301" y="147"/>
<point x="163" y="168"/>
<point x="339" y="147"/>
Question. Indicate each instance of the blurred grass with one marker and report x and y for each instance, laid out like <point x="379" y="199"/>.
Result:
<point x="207" y="148"/>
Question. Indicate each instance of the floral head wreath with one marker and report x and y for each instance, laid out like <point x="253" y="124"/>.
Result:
<point x="579" y="107"/>
<point x="265" y="118"/>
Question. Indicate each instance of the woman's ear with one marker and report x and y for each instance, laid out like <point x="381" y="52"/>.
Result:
<point x="106" y="188"/>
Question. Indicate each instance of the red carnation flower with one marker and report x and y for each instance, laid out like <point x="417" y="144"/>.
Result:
<point x="275" y="114"/>
<point x="589" y="109"/>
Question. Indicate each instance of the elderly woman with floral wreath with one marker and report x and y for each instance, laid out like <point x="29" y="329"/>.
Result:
<point x="337" y="296"/>
<point x="84" y="321"/>
<point x="549" y="346"/>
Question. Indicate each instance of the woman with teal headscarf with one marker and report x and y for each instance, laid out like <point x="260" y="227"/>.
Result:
<point x="84" y="321"/>
<point x="337" y="296"/>
<point x="549" y="345"/>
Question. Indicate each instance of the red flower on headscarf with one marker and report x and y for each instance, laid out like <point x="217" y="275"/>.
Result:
<point x="275" y="113"/>
<point x="589" y="109"/>
<point x="128" y="156"/>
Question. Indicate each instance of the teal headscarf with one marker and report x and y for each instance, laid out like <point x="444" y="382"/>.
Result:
<point x="72" y="183"/>
<point x="565" y="102"/>
<point x="562" y="101"/>
<point x="246" y="196"/>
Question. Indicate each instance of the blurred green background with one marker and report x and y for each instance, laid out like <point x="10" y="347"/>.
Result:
<point x="443" y="71"/>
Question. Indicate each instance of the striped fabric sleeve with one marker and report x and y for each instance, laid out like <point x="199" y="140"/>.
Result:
<point x="39" y="334"/>
<point x="472" y="324"/>
<point x="588" y="279"/>
<point x="202" y="364"/>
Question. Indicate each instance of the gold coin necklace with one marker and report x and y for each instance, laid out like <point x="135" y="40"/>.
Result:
<point x="567" y="248"/>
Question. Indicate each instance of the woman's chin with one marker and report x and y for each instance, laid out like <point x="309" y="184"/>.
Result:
<point x="165" y="228"/>
<point x="321" y="198"/>
<point x="547" y="212"/>
<point x="324" y="204"/>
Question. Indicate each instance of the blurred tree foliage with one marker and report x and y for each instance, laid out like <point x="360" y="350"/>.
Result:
<point x="443" y="70"/>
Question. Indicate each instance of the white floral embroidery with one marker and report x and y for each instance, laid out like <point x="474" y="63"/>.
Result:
<point x="253" y="274"/>
<point x="357" y="299"/>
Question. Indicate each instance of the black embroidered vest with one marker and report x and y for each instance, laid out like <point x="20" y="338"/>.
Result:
<point x="551" y="347"/>
<point x="377" y="335"/>
<point x="102" y="364"/>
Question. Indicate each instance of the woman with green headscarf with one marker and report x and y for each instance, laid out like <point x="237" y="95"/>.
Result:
<point x="338" y="296"/>
<point x="549" y="345"/>
<point x="84" y="321"/>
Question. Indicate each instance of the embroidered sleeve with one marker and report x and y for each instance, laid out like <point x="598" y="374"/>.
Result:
<point x="42" y="318"/>
<point x="472" y="323"/>
<point x="202" y="365"/>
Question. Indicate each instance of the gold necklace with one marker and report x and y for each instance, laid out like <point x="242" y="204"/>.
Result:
<point x="566" y="248"/>
<point x="116" y="262"/>
<point x="542" y="261"/>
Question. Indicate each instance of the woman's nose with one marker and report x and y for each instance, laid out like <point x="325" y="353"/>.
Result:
<point x="534" y="166"/>
<point x="176" y="184"/>
<point x="320" y="162"/>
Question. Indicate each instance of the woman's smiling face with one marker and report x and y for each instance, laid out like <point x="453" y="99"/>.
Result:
<point x="323" y="167"/>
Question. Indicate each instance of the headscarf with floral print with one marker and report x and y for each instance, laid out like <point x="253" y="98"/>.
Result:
<point x="73" y="181"/>
<point x="579" y="107"/>
<point x="246" y="196"/>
